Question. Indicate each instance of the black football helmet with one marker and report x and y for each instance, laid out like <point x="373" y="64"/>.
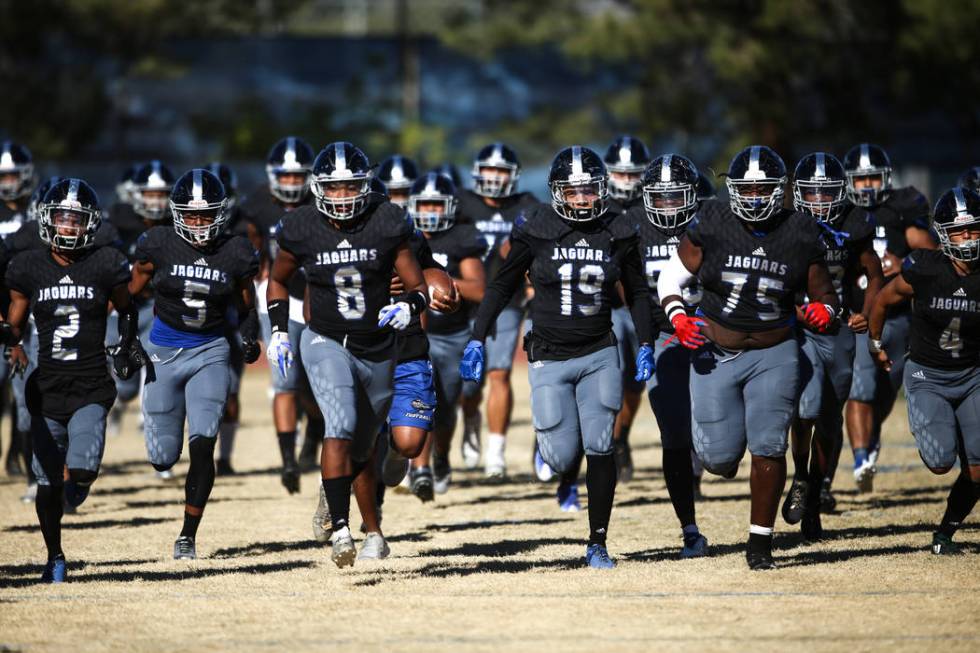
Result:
<point x="341" y="166"/>
<point x="958" y="212"/>
<point x="868" y="161"/>
<point x="433" y="188"/>
<point x="628" y="157"/>
<point x="971" y="179"/>
<point x="756" y="183"/>
<point x="578" y="171"/>
<point x="819" y="186"/>
<point x="451" y="171"/>
<point x="397" y="174"/>
<point x="228" y="179"/>
<point x="69" y="215"/>
<point x="199" y="194"/>
<point x="126" y="187"/>
<point x="670" y="197"/>
<point x="16" y="171"/>
<point x="33" y="207"/>
<point x="496" y="156"/>
<point x="152" y="184"/>
<point x="290" y="156"/>
<point x="706" y="189"/>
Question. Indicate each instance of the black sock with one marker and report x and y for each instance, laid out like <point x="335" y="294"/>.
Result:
<point x="600" y="478"/>
<point x="338" y="500"/>
<point x="962" y="498"/>
<point x="287" y="447"/>
<point x="679" y="476"/>
<point x="199" y="481"/>
<point x="570" y="475"/>
<point x="50" y="509"/>
<point x="759" y="543"/>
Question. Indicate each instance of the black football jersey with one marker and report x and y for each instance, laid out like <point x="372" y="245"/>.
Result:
<point x="349" y="272"/>
<point x="945" y="321"/>
<point x="412" y="341"/>
<point x="69" y="304"/>
<point x="264" y="212"/>
<point x="574" y="271"/>
<point x="11" y="219"/>
<point x="449" y="248"/>
<point x="656" y="248"/>
<point x="194" y="288"/>
<point x="853" y="236"/>
<point x="749" y="281"/>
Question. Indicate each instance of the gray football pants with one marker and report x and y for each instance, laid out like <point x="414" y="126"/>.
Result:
<point x="944" y="406"/>
<point x="78" y="442"/>
<point x="445" y="352"/>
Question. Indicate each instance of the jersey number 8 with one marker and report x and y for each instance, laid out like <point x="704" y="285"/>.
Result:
<point x="350" y="292"/>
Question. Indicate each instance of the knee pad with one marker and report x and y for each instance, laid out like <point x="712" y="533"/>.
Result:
<point x="82" y="476"/>
<point x="162" y="467"/>
<point x="201" y="447"/>
<point x="726" y="469"/>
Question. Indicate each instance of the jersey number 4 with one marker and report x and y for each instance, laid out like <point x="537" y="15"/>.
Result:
<point x="950" y="340"/>
<point x="585" y="295"/>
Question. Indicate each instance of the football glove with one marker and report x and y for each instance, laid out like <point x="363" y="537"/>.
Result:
<point x="126" y="361"/>
<point x="471" y="366"/>
<point x="818" y="316"/>
<point x="280" y="352"/>
<point x="250" y="350"/>
<point x="687" y="330"/>
<point x="398" y="315"/>
<point x="645" y="365"/>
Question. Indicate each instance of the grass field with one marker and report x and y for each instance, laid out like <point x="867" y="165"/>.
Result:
<point x="485" y="567"/>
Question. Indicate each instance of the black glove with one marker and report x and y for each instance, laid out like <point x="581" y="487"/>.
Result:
<point x="6" y="333"/>
<point x="251" y="350"/>
<point x="126" y="361"/>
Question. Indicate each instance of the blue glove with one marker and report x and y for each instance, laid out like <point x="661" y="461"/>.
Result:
<point x="644" y="363"/>
<point x="471" y="367"/>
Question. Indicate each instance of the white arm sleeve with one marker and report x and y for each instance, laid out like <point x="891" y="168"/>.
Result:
<point x="672" y="278"/>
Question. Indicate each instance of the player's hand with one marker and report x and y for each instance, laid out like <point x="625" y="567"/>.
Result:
<point x="398" y="315"/>
<point x="6" y="333"/>
<point x="819" y="316"/>
<point x="645" y="366"/>
<point x="18" y="360"/>
<point x="858" y="322"/>
<point x="251" y="350"/>
<point x="280" y="352"/>
<point x="882" y="361"/>
<point x="445" y="303"/>
<point x="471" y="366"/>
<point x="126" y="361"/>
<point x="397" y="286"/>
<point x="687" y="330"/>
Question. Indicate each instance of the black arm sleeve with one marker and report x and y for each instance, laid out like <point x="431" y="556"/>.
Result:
<point x="128" y="325"/>
<point x="499" y="291"/>
<point x="248" y="325"/>
<point x="637" y="295"/>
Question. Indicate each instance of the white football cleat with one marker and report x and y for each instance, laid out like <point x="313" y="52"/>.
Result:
<point x="344" y="553"/>
<point x="495" y="465"/>
<point x="374" y="548"/>
<point x="321" y="519"/>
<point x="470" y="444"/>
<point x="864" y="476"/>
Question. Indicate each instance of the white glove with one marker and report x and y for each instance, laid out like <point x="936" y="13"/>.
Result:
<point x="398" y="315"/>
<point x="280" y="352"/>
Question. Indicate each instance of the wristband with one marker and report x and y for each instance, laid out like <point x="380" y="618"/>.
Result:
<point x="279" y="315"/>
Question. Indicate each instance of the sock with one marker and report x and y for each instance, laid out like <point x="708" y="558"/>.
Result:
<point x="287" y="447"/>
<point x="679" y="477"/>
<point x="199" y="481"/>
<point x="496" y="443"/>
<point x="860" y="456"/>
<point x="338" y="500"/>
<point x="600" y="479"/>
<point x="472" y="423"/>
<point x="49" y="508"/>
<point x="962" y="498"/>
<point x="226" y="439"/>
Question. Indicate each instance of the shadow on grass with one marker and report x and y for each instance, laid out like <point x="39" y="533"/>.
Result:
<point x="70" y="525"/>
<point x="499" y="548"/>
<point x="157" y="576"/>
<point x="491" y="523"/>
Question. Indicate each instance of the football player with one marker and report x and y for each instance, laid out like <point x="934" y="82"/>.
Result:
<point x="491" y="207"/>
<point x="751" y="258"/>
<point x="626" y="158"/>
<point x="287" y="168"/>
<point x="348" y="244"/>
<point x="971" y="179"/>
<point x="397" y="173"/>
<point x="942" y="376"/>
<point x="901" y="217"/>
<point x="819" y="185"/>
<point x="574" y="254"/>
<point x="198" y="274"/>
<point x="67" y="286"/>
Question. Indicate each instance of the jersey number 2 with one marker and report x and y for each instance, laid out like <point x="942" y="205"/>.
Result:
<point x="64" y="332"/>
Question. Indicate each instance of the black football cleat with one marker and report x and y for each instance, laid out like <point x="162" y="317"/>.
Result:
<point x="794" y="507"/>
<point x="223" y="468"/>
<point x="760" y="560"/>
<point x="828" y="503"/>
<point x="290" y="478"/>
<point x="944" y="545"/>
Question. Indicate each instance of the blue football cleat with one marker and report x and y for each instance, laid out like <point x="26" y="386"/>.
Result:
<point x="542" y="469"/>
<point x="55" y="571"/>
<point x="695" y="546"/>
<point x="597" y="557"/>
<point x="568" y="497"/>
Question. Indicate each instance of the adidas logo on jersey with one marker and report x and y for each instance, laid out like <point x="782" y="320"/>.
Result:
<point x="582" y="243"/>
<point x="200" y="261"/>
<point x="959" y="293"/>
<point x="919" y="374"/>
<point x="343" y="243"/>
<point x="759" y="252"/>
<point x="66" y="279"/>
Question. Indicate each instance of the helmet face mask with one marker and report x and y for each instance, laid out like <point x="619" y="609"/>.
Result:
<point x="579" y="184"/>
<point x="496" y="171"/>
<point x="670" y="192"/>
<point x="957" y="223"/>
<point x="869" y="175"/>
<point x="199" y="206"/>
<point x="819" y="186"/>
<point x="432" y="203"/>
<point x="756" y="183"/>
<point x="287" y="169"/>
<point x="341" y="181"/>
<point x="69" y="216"/>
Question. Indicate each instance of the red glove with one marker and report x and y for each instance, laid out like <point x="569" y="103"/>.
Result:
<point x="687" y="330"/>
<point x="819" y="316"/>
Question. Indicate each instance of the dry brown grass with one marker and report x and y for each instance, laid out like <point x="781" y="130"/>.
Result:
<point x="483" y="568"/>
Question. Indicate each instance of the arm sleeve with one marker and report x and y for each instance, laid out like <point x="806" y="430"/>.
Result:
<point x="638" y="295"/>
<point x="672" y="278"/>
<point x="506" y="282"/>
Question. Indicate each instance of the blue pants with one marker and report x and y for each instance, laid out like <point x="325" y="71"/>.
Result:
<point x="414" y="396"/>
